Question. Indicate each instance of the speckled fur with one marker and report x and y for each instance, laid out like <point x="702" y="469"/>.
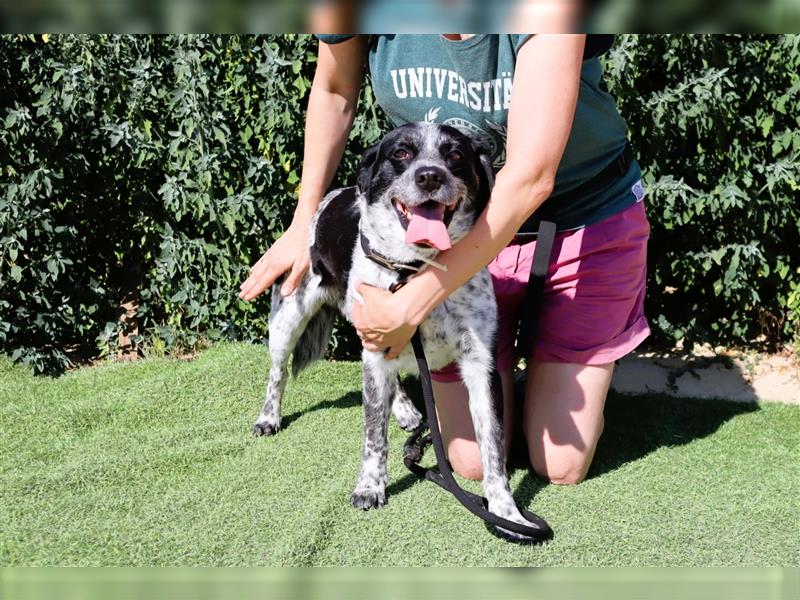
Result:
<point x="461" y="329"/>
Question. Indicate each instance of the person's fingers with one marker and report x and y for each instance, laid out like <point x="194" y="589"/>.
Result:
<point x="259" y="284"/>
<point x="371" y="346"/>
<point x="247" y="286"/>
<point x="367" y="336"/>
<point x="248" y="283"/>
<point x="365" y="289"/>
<point x="355" y="316"/>
<point x="293" y="280"/>
<point x="259" y="264"/>
<point x="392" y="353"/>
<point x="257" y="271"/>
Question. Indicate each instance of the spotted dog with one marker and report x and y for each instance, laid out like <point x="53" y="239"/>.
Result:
<point x="418" y="190"/>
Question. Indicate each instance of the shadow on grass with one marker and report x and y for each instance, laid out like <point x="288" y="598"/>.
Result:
<point x="402" y="484"/>
<point x="349" y="400"/>
<point x="529" y="485"/>
<point x="635" y="426"/>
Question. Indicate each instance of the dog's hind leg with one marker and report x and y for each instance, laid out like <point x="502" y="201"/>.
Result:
<point x="288" y="320"/>
<point x="404" y="411"/>
<point x="475" y="365"/>
<point x="380" y="383"/>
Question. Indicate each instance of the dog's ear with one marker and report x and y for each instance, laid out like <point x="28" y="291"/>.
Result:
<point x="365" y="168"/>
<point x="483" y="167"/>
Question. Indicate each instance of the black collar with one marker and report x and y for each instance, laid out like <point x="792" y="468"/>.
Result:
<point x="403" y="270"/>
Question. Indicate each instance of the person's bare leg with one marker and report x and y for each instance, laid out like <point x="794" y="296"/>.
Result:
<point x="458" y="435"/>
<point x="563" y="417"/>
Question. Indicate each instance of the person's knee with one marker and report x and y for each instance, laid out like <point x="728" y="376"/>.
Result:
<point x="562" y="465"/>
<point x="465" y="458"/>
<point x="561" y="471"/>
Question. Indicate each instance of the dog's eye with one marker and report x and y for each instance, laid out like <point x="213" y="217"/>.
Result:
<point x="455" y="156"/>
<point x="401" y="154"/>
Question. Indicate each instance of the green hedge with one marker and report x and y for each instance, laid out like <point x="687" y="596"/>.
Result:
<point x="161" y="167"/>
<point x="716" y="124"/>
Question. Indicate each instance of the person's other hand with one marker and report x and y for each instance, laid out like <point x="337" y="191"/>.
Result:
<point x="380" y="322"/>
<point x="288" y="253"/>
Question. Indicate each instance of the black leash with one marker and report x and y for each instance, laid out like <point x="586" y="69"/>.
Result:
<point x="534" y="293"/>
<point x="414" y="448"/>
<point x="415" y="445"/>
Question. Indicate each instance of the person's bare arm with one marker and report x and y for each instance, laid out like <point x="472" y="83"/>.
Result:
<point x="545" y="93"/>
<point x="331" y="109"/>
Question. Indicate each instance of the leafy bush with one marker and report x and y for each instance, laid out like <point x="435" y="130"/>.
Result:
<point x="156" y="169"/>
<point x="152" y="166"/>
<point x="714" y="120"/>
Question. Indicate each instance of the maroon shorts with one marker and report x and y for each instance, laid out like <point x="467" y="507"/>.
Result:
<point x="592" y="311"/>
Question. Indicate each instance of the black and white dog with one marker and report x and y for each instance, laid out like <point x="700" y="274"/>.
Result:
<point x="419" y="189"/>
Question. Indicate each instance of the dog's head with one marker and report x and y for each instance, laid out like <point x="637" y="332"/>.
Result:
<point x="422" y="187"/>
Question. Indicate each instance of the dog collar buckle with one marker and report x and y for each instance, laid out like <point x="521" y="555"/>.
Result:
<point x="404" y="269"/>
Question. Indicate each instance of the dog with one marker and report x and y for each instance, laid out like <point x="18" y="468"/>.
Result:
<point x="417" y="191"/>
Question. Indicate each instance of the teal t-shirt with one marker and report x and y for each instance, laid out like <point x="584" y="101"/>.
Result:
<point x="468" y="84"/>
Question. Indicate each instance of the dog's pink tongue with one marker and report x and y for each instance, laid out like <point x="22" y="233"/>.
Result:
<point x="426" y="226"/>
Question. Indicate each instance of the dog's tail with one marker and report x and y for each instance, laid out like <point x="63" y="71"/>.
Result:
<point x="314" y="340"/>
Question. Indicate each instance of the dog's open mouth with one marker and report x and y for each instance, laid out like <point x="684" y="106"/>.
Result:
<point x="426" y="223"/>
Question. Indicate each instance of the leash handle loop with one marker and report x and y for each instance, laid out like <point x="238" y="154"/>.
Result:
<point x="538" y="531"/>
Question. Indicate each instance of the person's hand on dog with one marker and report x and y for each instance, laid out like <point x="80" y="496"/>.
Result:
<point x="380" y="321"/>
<point x="289" y="253"/>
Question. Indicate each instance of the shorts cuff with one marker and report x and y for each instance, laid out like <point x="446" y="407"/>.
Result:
<point x="603" y="354"/>
<point x="506" y="361"/>
<point x="447" y="374"/>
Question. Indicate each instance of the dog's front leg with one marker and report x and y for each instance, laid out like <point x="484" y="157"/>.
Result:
<point x="475" y="366"/>
<point x="379" y="386"/>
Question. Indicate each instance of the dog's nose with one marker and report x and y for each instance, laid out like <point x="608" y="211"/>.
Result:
<point x="429" y="179"/>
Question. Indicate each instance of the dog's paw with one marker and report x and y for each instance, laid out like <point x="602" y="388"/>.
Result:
<point x="405" y="413"/>
<point x="265" y="428"/>
<point x="408" y="421"/>
<point x="367" y="499"/>
<point x="512" y="536"/>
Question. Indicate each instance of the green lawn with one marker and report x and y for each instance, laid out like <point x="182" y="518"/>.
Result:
<point x="153" y="463"/>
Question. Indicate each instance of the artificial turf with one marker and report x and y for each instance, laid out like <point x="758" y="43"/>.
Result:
<point x="153" y="463"/>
